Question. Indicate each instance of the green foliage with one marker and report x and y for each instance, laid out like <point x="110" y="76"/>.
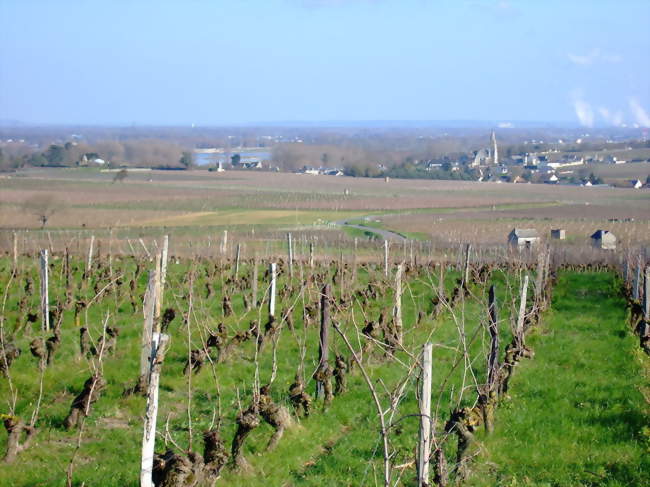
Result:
<point x="186" y="160"/>
<point x="55" y="154"/>
<point x="577" y="417"/>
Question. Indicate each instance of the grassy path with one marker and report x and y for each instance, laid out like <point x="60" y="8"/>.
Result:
<point x="577" y="417"/>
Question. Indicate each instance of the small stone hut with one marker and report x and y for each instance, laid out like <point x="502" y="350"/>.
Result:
<point x="603" y="239"/>
<point x="523" y="238"/>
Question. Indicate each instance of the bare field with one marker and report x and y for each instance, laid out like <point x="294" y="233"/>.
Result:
<point x="492" y="227"/>
<point x="449" y="210"/>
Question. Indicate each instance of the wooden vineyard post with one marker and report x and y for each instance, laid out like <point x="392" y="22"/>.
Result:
<point x="147" y="328"/>
<point x="493" y="358"/>
<point x="110" y="253"/>
<point x="66" y="267"/>
<point x="354" y="261"/>
<point x="323" y="343"/>
<point x="519" y="330"/>
<point x="224" y="242"/>
<point x="424" y="442"/>
<point x="386" y="258"/>
<point x="89" y="261"/>
<point x="539" y="278"/>
<point x="646" y="292"/>
<point x="158" y="288"/>
<point x="397" y="309"/>
<point x="158" y="347"/>
<point x="636" y="288"/>
<point x="272" y="290"/>
<point x="45" y="298"/>
<point x="468" y="248"/>
<point x="290" y="254"/>
<point x="164" y="257"/>
<point x="237" y="256"/>
<point x="254" y="283"/>
<point x="14" y="262"/>
<point x="146" y="250"/>
<point x="311" y="255"/>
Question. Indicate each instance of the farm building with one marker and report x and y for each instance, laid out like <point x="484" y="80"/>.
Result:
<point x="520" y="238"/>
<point x="604" y="239"/>
<point x="558" y="234"/>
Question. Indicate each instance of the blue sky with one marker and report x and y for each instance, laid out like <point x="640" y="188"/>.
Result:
<point x="212" y="62"/>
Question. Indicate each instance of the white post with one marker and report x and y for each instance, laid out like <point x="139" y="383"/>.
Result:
<point x="254" y="284"/>
<point x="45" y="298"/>
<point x="311" y="255"/>
<point x="158" y="288"/>
<point x="146" y="250"/>
<point x="386" y="258"/>
<point x="158" y="346"/>
<point x="397" y="310"/>
<point x="290" y="250"/>
<point x="424" y="444"/>
<point x="466" y="267"/>
<point x="646" y="292"/>
<point x="519" y="332"/>
<point x="89" y="262"/>
<point x="147" y="329"/>
<point x="237" y="259"/>
<point x="224" y="242"/>
<point x="15" y="252"/>
<point x="272" y="290"/>
<point x="163" y="262"/>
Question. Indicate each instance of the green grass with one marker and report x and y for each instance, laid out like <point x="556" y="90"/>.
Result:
<point x="339" y="446"/>
<point x="111" y="442"/>
<point x="576" y="417"/>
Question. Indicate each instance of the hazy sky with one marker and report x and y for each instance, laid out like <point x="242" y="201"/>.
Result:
<point x="233" y="61"/>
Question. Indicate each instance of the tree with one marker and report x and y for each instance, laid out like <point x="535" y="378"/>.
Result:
<point x="55" y="154"/>
<point x="186" y="160"/>
<point x="120" y="175"/>
<point x="235" y="160"/>
<point x="37" y="159"/>
<point x="43" y="206"/>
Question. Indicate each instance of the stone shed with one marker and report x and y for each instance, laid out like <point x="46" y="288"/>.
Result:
<point x="603" y="239"/>
<point x="523" y="238"/>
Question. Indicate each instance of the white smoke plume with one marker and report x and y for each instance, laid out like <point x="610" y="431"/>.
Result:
<point x="583" y="110"/>
<point x="640" y="115"/>
<point x="612" y="118"/>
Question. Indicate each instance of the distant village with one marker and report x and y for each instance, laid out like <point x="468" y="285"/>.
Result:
<point x="560" y="162"/>
<point x="483" y="165"/>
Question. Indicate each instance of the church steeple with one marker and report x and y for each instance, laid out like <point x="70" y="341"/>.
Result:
<point x="495" y="151"/>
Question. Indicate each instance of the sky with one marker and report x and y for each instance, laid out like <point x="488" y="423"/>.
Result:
<point x="221" y="62"/>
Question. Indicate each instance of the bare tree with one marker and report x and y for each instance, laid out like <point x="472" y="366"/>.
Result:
<point x="43" y="206"/>
<point x="120" y="176"/>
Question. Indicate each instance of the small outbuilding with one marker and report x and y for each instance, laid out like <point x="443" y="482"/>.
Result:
<point x="603" y="239"/>
<point x="523" y="238"/>
<point x="558" y="234"/>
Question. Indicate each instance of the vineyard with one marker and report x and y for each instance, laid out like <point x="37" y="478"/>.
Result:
<point x="342" y="366"/>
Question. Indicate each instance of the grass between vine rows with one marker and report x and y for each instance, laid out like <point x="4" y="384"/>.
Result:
<point x="577" y="416"/>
